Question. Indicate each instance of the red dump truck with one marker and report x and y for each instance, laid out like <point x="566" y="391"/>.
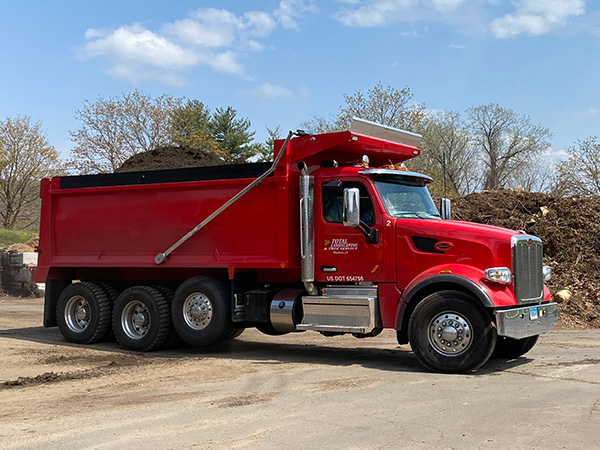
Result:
<point x="334" y="236"/>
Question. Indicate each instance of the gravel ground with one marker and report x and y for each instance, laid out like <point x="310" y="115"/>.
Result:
<point x="295" y="391"/>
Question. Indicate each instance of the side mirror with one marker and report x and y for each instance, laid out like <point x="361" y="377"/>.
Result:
<point x="351" y="212"/>
<point x="445" y="208"/>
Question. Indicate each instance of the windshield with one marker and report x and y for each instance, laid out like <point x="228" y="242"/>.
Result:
<point x="405" y="197"/>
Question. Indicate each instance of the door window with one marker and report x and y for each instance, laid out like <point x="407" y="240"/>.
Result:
<point x="333" y="201"/>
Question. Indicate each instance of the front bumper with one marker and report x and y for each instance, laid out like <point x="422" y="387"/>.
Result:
<point x="525" y="321"/>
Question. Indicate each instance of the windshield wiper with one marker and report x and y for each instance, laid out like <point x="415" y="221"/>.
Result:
<point x="419" y="214"/>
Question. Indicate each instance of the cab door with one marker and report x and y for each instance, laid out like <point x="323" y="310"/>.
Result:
<point x="346" y="254"/>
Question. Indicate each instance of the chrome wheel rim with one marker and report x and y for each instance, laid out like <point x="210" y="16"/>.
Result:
<point x="197" y="311"/>
<point x="450" y="333"/>
<point x="135" y="320"/>
<point x="77" y="314"/>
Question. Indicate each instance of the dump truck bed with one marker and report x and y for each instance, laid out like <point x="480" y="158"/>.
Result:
<point x="125" y="220"/>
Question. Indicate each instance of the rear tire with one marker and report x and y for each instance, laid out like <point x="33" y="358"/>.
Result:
<point x="141" y="319"/>
<point x="235" y="333"/>
<point x="509" y="348"/>
<point x="450" y="332"/>
<point x="201" y="311"/>
<point x="83" y="313"/>
<point x="112" y="294"/>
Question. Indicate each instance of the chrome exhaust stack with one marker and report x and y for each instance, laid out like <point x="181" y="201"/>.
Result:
<point x="307" y="253"/>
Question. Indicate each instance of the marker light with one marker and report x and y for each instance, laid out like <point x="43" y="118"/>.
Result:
<point x="547" y="271"/>
<point x="498" y="275"/>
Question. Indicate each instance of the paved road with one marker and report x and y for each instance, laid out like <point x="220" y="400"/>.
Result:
<point x="291" y="392"/>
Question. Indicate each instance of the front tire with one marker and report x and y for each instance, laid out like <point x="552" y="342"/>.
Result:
<point x="201" y="311"/>
<point x="508" y="348"/>
<point x="450" y="332"/>
<point x="83" y="313"/>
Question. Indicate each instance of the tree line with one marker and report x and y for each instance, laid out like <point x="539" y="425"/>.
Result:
<point x="484" y="147"/>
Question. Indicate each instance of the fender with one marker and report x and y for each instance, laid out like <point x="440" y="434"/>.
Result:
<point x="466" y="277"/>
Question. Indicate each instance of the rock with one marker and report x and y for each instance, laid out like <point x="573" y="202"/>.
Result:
<point x="563" y="296"/>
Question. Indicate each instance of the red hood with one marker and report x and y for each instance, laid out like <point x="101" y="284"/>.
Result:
<point x="422" y="244"/>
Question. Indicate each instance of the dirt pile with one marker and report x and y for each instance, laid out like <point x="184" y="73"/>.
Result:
<point x="28" y="246"/>
<point x="170" y="158"/>
<point x="570" y="230"/>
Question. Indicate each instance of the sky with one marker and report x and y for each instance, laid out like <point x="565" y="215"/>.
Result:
<point x="281" y="62"/>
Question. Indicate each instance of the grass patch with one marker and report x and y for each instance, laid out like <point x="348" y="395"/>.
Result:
<point x="9" y="237"/>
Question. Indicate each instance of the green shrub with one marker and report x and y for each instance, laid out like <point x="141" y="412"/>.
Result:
<point x="9" y="237"/>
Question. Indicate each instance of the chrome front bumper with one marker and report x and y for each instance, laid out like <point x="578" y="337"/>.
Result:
<point x="525" y="321"/>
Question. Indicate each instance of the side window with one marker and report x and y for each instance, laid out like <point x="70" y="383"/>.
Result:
<point x="333" y="201"/>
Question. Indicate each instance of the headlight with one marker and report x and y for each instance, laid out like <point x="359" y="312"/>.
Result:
<point x="499" y="275"/>
<point x="547" y="271"/>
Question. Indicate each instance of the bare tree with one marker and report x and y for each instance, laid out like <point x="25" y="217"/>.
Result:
<point x="321" y="124"/>
<point x="535" y="175"/>
<point x="114" y="129"/>
<point x="448" y="154"/>
<point x="25" y="157"/>
<point x="580" y="175"/>
<point x="385" y="105"/>
<point x="506" y="141"/>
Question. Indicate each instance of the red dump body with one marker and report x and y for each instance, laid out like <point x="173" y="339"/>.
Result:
<point x="114" y="225"/>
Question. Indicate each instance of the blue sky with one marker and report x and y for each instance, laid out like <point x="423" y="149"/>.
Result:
<point x="280" y="62"/>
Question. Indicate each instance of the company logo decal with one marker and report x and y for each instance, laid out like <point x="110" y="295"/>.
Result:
<point x="340" y="246"/>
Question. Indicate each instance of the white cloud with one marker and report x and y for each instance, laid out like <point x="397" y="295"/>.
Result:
<point x="196" y="33"/>
<point x="270" y="91"/>
<point x="457" y="46"/>
<point x="380" y="13"/>
<point x="447" y="5"/>
<point x="140" y="46"/>
<point x="555" y="156"/>
<point x="588" y="112"/>
<point x="225" y="62"/>
<point x="377" y="13"/>
<point x="536" y="17"/>
<point x="290" y="10"/>
<point x="216" y="38"/>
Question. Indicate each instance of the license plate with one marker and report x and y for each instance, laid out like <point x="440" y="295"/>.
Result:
<point x="533" y="314"/>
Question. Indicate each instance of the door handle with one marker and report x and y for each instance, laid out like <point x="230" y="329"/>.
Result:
<point x="328" y="269"/>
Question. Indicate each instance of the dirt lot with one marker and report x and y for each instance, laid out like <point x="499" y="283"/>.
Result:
<point x="294" y="391"/>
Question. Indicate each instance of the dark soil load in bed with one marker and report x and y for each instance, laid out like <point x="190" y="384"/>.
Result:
<point x="170" y="158"/>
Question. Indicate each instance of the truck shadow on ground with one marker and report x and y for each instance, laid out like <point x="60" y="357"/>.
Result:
<point x="334" y="353"/>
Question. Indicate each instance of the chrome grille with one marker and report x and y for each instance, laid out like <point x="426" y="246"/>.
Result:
<point x="527" y="268"/>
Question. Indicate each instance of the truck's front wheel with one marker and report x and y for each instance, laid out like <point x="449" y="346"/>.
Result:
<point x="509" y="348"/>
<point x="449" y="332"/>
<point x="201" y="311"/>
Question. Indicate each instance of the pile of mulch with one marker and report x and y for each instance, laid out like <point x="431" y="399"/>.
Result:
<point x="171" y="158"/>
<point x="570" y="230"/>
